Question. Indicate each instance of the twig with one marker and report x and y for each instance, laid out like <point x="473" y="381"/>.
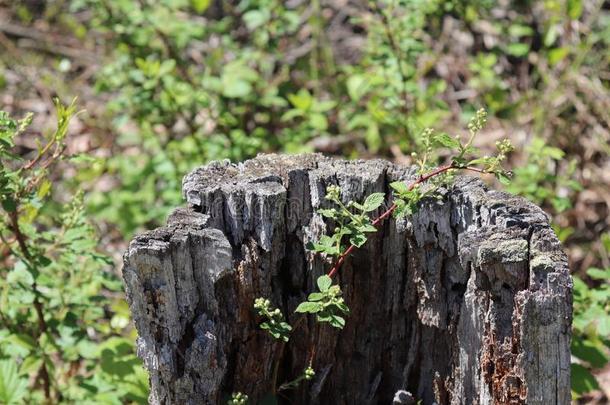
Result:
<point x="40" y="154"/>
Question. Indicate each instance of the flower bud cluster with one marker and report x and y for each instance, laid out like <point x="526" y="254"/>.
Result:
<point x="333" y="193"/>
<point x="309" y="373"/>
<point x="238" y="398"/>
<point x="478" y="121"/>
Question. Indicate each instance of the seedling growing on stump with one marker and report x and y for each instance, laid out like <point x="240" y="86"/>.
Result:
<point x="307" y="375"/>
<point x="326" y="304"/>
<point x="353" y="222"/>
<point x="274" y="324"/>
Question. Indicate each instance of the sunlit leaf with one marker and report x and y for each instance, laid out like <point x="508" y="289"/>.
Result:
<point x="12" y="387"/>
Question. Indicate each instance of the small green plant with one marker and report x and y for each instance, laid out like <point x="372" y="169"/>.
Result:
<point x="238" y="398"/>
<point x="274" y="324"/>
<point x="591" y="330"/>
<point x="540" y="181"/>
<point x="60" y="340"/>
<point x="307" y="375"/>
<point x="353" y="222"/>
<point x="407" y="197"/>
<point x="328" y="305"/>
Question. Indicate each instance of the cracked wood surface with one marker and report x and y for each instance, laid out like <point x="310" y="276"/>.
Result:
<point x="466" y="302"/>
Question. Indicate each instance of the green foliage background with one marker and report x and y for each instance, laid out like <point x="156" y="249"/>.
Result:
<point x="169" y="85"/>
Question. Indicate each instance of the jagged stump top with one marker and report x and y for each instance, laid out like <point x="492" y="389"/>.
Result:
<point x="467" y="301"/>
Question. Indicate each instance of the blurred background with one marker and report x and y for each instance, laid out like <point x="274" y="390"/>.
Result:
<point x="169" y="85"/>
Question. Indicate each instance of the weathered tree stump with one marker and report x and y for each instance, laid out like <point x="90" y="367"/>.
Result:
<point x="467" y="302"/>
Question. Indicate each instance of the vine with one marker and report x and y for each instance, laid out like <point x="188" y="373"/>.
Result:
<point x="353" y="223"/>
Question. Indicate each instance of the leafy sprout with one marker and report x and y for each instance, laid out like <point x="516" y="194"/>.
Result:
<point x="308" y="374"/>
<point x="327" y="304"/>
<point x="274" y="324"/>
<point x="352" y="221"/>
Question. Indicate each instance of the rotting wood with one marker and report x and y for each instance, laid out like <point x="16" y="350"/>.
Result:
<point x="468" y="301"/>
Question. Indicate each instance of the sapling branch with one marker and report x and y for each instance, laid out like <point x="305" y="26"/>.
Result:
<point x="377" y="221"/>
<point x="353" y="223"/>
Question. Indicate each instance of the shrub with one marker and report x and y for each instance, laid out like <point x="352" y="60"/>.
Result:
<point x="62" y="317"/>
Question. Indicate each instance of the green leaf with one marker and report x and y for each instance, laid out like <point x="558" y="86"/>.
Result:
<point x="22" y="341"/>
<point x="236" y="88"/>
<point x="554" y="153"/>
<point x="373" y="202"/>
<point x="589" y="351"/>
<point x="518" y="49"/>
<point x="518" y="30"/>
<point x="400" y="187"/>
<point x="324" y="282"/>
<point x="30" y="364"/>
<point x="326" y="244"/>
<point x="88" y="349"/>
<point x="582" y="380"/>
<point x="367" y="228"/>
<point x="337" y="321"/>
<point x="447" y="141"/>
<point x="166" y="67"/>
<point x="357" y="86"/>
<point x="301" y="100"/>
<point x="200" y="5"/>
<point x="8" y="203"/>
<point x="318" y="121"/>
<point x="480" y="161"/>
<point x="315" y="297"/>
<point x="323" y="106"/>
<point x="599" y="274"/>
<point x="603" y="326"/>
<point x="359" y="207"/>
<point x="357" y="239"/>
<point x="574" y="9"/>
<point x="328" y="213"/>
<point x="20" y="274"/>
<point x="342" y="307"/>
<point x="256" y="18"/>
<point x="117" y="364"/>
<point x="551" y="35"/>
<point x="502" y="178"/>
<point x="12" y="387"/>
<point x="291" y="114"/>
<point x="372" y="137"/>
<point x="556" y="55"/>
<point x="309" y="307"/>
<point x="44" y="188"/>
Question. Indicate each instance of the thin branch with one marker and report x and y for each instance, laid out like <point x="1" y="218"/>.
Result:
<point x="40" y="154"/>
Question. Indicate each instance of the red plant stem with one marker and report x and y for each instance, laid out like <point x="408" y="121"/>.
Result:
<point x="389" y="211"/>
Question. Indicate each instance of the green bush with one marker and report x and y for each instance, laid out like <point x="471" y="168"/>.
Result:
<point x="198" y="83"/>
<point x="63" y="320"/>
<point x="591" y="329"/>
<point x="192" y="80"/>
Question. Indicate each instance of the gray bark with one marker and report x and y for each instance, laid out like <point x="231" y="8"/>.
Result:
<point x="466" y="302"/>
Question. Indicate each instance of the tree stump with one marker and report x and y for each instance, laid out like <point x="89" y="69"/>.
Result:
<point x="466" y="302"/>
